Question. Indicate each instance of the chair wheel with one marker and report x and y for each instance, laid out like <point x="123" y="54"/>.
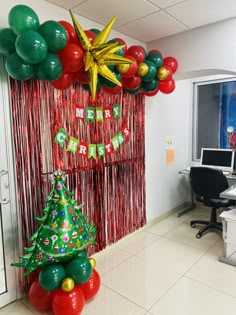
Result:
<point x="193" y="225"/>
<point x="198" y="235"/>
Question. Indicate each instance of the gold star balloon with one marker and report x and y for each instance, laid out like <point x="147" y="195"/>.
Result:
<point x="99" y="54"/>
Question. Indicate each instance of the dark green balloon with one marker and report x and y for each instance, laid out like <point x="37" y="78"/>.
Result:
<point x="111" y="84"/>
<point x="155" y="58"/>
<point x="95" y="31"/>
<point x="79" y="269"/>
<point x="121" y="51"/>
<point x="51" y="276"/>
<point x="22" y="18"/>
<point x="135" y="91"/>
<point x="83" y="253"/>
<point x="7" y="41"/>
<point x="31" y="47"/>
<point x="18" y="68"/>
<point x="152" y="70"/>
<point x="54" y="35"/>
<point x="50" y="69"/>
<point x="150" y="86"/>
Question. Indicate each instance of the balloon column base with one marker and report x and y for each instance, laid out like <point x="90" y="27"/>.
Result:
<point x="61" y="302"/>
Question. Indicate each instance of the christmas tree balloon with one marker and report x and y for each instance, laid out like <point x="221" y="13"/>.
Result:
<point x="63" y="232"/>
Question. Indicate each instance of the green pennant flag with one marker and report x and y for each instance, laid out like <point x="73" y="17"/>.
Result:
<point x="115" y="143"/>
<point x="99" y="114"/>
<point x="72" y="145"/>
<point x="116" y="110"/>
<point x="92" y="151"/>
<point x="89" y="114"/>
<point x="101" y="149"/>
<point x="120" y="138"/>
<point x="61" y="137"/>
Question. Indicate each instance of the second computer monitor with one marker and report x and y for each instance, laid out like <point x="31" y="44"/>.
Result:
<point x="218" y="158"/>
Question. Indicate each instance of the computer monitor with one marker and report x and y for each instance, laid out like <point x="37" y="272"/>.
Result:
<point x="218" y="158"/>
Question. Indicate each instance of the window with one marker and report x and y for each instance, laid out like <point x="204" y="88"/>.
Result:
<point x="214" y="115"/>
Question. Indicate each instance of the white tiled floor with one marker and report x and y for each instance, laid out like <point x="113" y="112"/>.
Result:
<point x="160" y="270"/>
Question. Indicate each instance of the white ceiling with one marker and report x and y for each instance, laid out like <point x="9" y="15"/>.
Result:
<point x="147" y="20"/>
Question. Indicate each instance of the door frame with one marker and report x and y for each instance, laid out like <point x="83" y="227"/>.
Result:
<point x="9" y="211"/>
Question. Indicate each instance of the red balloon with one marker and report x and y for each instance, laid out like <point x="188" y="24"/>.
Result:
<point x="171" y="62"/>
<point x="122" y="42"/>
<point x="115" y="90"/>
<point x="133" y="67"/>
<point x="137" y="52"/>
<point x="64" y="82"/>
<point x="81" y="76"/>
<point x="68" y="303"/>
<point x="91" y="36"/>
<point x="40" y="298"/>
<point x="167" y="87"/>
<point x="132" y="83"/>
<point x="91" y="287"/>
<point x="70" y="31"/>
<point x="152" y="93"/>
<point x="71" y="57"/>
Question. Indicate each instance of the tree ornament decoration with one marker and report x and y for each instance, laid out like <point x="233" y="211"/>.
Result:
<point x="54" y="35"/>
<point x="99" y="54"/>
<point x="63" y="232"/>
<point x="22" y="18"/>
<point x="7" y="41"/>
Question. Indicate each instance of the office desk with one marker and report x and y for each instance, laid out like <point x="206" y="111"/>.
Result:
<point x="226" y="194"/>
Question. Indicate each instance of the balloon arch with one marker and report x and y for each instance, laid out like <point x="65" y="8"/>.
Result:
<point x="63" y="54"/>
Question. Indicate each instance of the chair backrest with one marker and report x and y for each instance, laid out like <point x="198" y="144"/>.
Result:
<point x="207" y="183"/>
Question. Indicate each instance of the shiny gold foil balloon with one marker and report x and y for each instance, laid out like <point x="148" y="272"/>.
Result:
<point x="92" y="262"/>
<point x="162" y="73"/>
<point x="123" y="68"/>
<point x="142" y="69"/>
<point x="67" y="284"/>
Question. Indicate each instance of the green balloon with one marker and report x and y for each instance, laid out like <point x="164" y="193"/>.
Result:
<point x="18" y="68"/>
<point x="111" y="84"/>
<point x="135" y="91"/>
<point x="155" y="58"/>
<point x="83" y="253"/>
<point x="7" y="41"/>
<point x="22" y="18"/>
<point x="95" y="31"/>
<point x="121" y="51"/>
<point x="79" y="269"/>
<point x="54" y="35"/>
<point x="50" y="69"/>
<point x="150" y="86"/>
<point x="152" y="70"/>
<point x="31" y="47"/>
<point x="51" y="276"/>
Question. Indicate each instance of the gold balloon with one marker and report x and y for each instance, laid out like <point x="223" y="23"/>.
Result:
<point x="123" y="68"/>
<point x="162" y="73"/>
<point x="98" y="55"/>
<point x="142" y="69"/>
<point x="92" y="262"/>
<point x="67" y="284"/>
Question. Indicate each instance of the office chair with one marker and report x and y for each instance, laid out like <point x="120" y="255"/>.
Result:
<point x="207" y="184"/>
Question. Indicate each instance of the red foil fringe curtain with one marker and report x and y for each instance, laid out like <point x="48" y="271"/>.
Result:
<point x="112" y="188"/>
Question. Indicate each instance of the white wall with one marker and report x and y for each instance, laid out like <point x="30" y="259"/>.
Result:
<point x="204" y="51"/>
<point x="167" y="115"/>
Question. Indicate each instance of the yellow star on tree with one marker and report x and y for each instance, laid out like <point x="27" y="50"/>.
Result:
<point x="99" y="54"/>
